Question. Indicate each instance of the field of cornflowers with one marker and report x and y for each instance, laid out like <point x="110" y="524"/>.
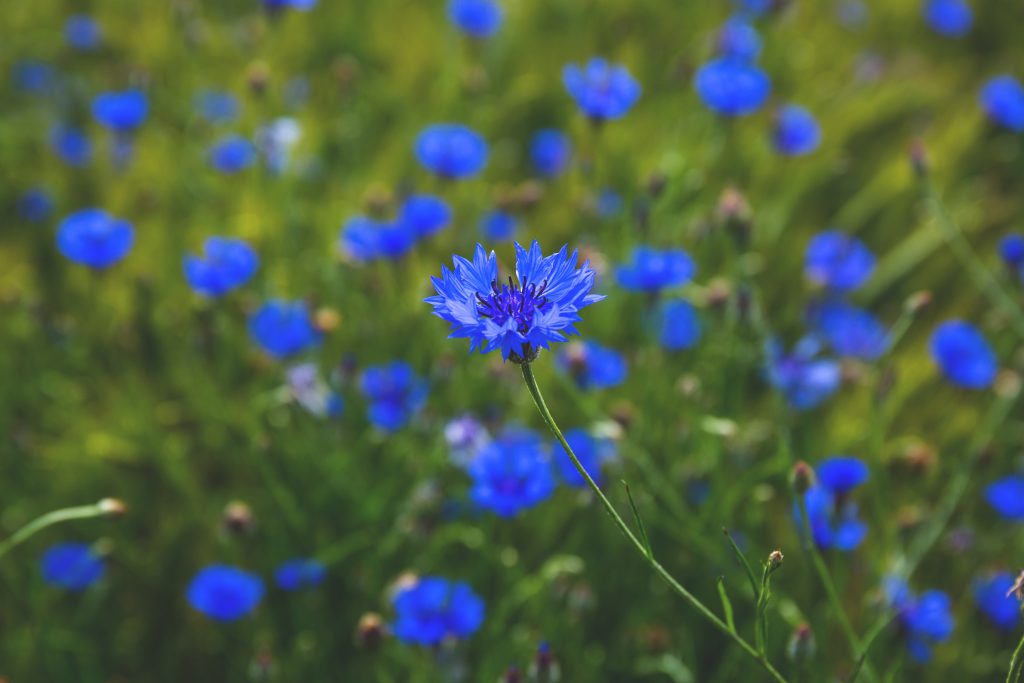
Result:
<point x="759" y="419"/>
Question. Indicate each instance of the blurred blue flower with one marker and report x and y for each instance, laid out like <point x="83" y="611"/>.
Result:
<point x="755" y="8"/>
<point x="511" y="474"/>
<point x="738" y="39"/>
<point x="94" y="238"/>
<point x="677" y="325"/>
<point x="74" y="566"/>
<point x="840" y="474"/>
<point x="71" y="145"/>
<point x="802" y="378"/>
<point x="476" y="18"/>
<point x="852" y="13"/>
<point x="852" y="332"/>
<point x="232" y="153"/>
<point x="963" y="355"/>
<point x="520" y="317"/>
<point x="395" y="394"/>
<point x="82" y="32"/>
<point x="33" y="76"/>
<point x="838" y="261"/>
<point x="225" y="593"/>
<point x="433" y="609"/>
<point x="602" y="91"/>
<point x="466" y="436"/>
<point x="732" y="87"/>
<point x="227" y="263"/>
<point x="364" y="239"/>
<point x="217" y="106"/>
<point x="832" y="516"/>
<point x="121" y="112"/>
<point x="591" y="365"/>
<point x="1006" y="496"/>
<point x="651" y="270"/>
<point x="311" y="392"/>
<point x="796" y="131"/>
<point x="498" y="226"/>
<point x="608" y="204"/>
<point x="924" y="620"/>
<point x="283" y="328"/>
<point x="1011" y="249"/>
<point x="550" y="152"/>
<point x="1002" y="98"/>
<point x="590" y="451"/>
<point x="950" y="18"/>
<point x="276" y="140"/>
<point x="994" y="597"/>
<point x="35" y="205"/>
<point x="424" y="214"/>
<point x="299" y="573"/>
<point x="301" y="5"/>
<point x="451" y="150"/>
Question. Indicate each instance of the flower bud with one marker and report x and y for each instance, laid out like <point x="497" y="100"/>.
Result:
<point x="257" y="76"/>
<point x="656" y="183"/>
<point x="545" y="668"/>
<point x="237" y="517"/>
<point x="326" y="319"/>
<point x="512" y="675"/>
<point x="801" y="643"/>
<point x="370" y="632"/>
<point x="775" y="559"/>
<point x="113" y="507"/>
<point x="802" y="477"/>
<point x="1017" y="589"/>
<point x="919" y="158"/>
<point x="918" y="301"/>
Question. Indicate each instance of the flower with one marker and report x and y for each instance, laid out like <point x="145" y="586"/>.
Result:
<point x="71" y="145"/>
<point x="924" y="620"/>
<point x="841" y="474"/>
<point x="832" y="516"/>
<point x="732" y="87"/>
<point x="465" y="436"/>
<point x="311" y="392"/>
<point x="74" y="566"/>
<point x="276" y="140"/>
<point x="677" y="325"/>
<point x="550" y="152"/>
<point x="651" y="270"/>
<point x="35" y="205"/>
<point x="603" y="91"/>
<point x="592" y="366"/>
<point x="850" y="331"/>
<point x="804" y="380"/>
<point x="739" y="40"/>
<point x="796" y="131"/>
<point x="217" y="106"/>
<point x="364" y="239"/>
<point x="994" y="597"/>
<point x="476" y="18"/>
<point x="608" y="203"/>
<point x="1006" y="496"/>
<point x="33" y="77"/>
<point x="520" y="317"/>
<point x="838" y="261"/>
<point x="94" y="238"/>
<point x="451" y="150"/>
<point x="498" y="226"/>
<point x="395" y="394"/>
<point x="591" y="452"/>
<point x="283" y="328"/>
<point x="963" y="355"/>
<point x="82" y="32"/>
<point x="433" y="608"/>
<point x="1011" y="249"/>
<point x="301" y="5"/>
<point x="299" y="573"/>
<point x="424" y="215"/>
<point x="949" y="18"/>
<point x="232" y="154"/>
<point x="1002" y="98"/>
<point x="511" y="473"/>
<point x="227" y="263"/>
<point x="225" y="593"/>
<point x="122" y="112"/>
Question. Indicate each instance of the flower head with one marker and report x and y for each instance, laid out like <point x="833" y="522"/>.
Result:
<point x="1006" y="496"/>
<point x="804" y="379"/>
<point x="451" y="150"/>
<point x="395" y="394"/>
<point x="82" y="32"/>
<point x="540" y="307"/>
<point x="590" y="451"/>
<point x="71" y="145"/>
<point x="1002" y="98"/>
<point x="433" y="608"/>
<point x="592" y="366"/>
<point x="603" y="91"/>
<point x="299" y="573"/>
<point x="466" y="437"/>
<point x="924" y="619"/>
<point x="424" y="215"/>
<point x="838" y="261"/>
<point x="312" y="392"/>
<point x="994" y="595"/>
<point x="217" y="106"/>
<point x="365" y="239"/>
<point x="796" y="131"/>
<point x="963" y="355"/>
<point x="35" y="205"/>
<point x="74" y="566"/>
<point x="276" y="140"/>
<point x="94" y="238"/>
<point x="949" y="18"/>
<point x="738" y="39"/>
<point x="476" y="18"/>
<point x="651" y="270"/>
<point x="1011" y="249"/>
<point x="232" y="154"/>
<point x="512" y="473"/>
<point x="122" y="112"/>
<point x="831" y="515"/>
<point x="851" y="332"/>
<point x="33" y="76"/>
<point x="677" y="325"/>
<point x="226" y="264"/>
<point x="732" y="87"/>
<point x="550" y="152"/>
<point x="283" y="328"/>
<point x="498" y="226"/>
<point x="225" y="593"/>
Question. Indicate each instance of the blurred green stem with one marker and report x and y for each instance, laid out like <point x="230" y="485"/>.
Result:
<point x="538" y="399"/>
<point x="1016" y="673"/>
<point x="100" y="509"/>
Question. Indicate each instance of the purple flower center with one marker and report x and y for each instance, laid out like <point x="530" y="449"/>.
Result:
<point x="509" y="302"/>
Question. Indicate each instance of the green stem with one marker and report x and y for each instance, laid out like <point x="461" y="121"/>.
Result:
<point x="1016" y="673"/>
<point x="100" y="509"/>
<point x="538" y="399"/>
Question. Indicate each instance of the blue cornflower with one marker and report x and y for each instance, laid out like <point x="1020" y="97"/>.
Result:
<point x="1006" y="496"/>
<point x="395" y="393"/>
<point x="511" y="474"/>
<point x="1011" y="249"/>
<point x="433" y="609"/>
<point x="994" y="598"/>
<point x="232" y="154"/>
<point x="121" y="112"/>
<point x="796" y="131"/>
<point x="677" y="325"/>
<point x="840" y="474"/>
<point x="963" y="355"/>
<point x="71" y="145"/>
<point x="590" y="451"/>
<point x="74" y="566"/>
<point x="520" y="317"/>
<point x="451" y="150"/>
<point x="82" y="32"/>
<point x="498" y="226"/>
<point x="35" y="205"/>
<point x="424" y="214"/>
<point x="364" y="239"/>
<point x="1002" y="98"/>
<point x="225" y="593"/>
<point x="311" y="392"/>
<point x="832" y="516"/>
<point x="33" y="77"/>
<point x="466" y="436"/>
<point x="950" y="18"/>
<point x="651" y="270"/>
<point x="924" y="620"/>
<point x="802" y="378"/>
<point x="227" y="263"/>
<point x="603" y="91"/>
<point x="738" y="39"/>
<point x="299" y="573"/>
<point x="276" y="140"/>
<point x="608" y="203"/>
<point x="755" y="8"/>
<point x="217" y="107"/>
<point x="592" y="366"/>
<point x="732" y="87"/>
<point x="838" y="261"/>
<point x="476" y="18"/>
<point x="550" y="152"/>
<point x="852" y="332"/>
<point x="283" y="328"/>
<point x="94" y="238"/>
<point x="301" y="5"/>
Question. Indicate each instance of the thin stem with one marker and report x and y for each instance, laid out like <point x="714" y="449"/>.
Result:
<point x="538" y="399"/>
<point x="1016" y="672"/>
<point x="100" y="509"/>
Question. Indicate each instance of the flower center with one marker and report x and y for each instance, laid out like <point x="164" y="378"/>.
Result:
<point x="509" y="302"/>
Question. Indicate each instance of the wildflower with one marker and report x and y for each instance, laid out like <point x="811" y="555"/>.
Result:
<point x="592" y="366"/>
<point x="608" y="203"/>
<point x="432" y="609"/>
<point x="451" y="150"/>
<point x="994" y="595"/>
<point x="278" y="5"/>
<point x="677" y="325"/>
<point x="226" y="264"/>
<point x="603" y="91"/>
<point x="283" y="328"/>
<point x="121" y="112"/>
<point x="476" y="18"/>
<point x="364" y="239"/>
<point x="82" y="32"/>
<point x="831" y="515"/>
<point x="738" y="39"/>
<point x="1011" y="249"/>
<point x="511" y="473"/>
<point x="94" y="238"/>
<point x="225" y="593"/>
<point x="732" y="87"/>
<point x="424" y="215"/>
<point x="71" y="145"/>
<point x="498" y="226"/>
<point x="850" y="331"/>
<point x="803" y="379"/>
<point x="651" y="270"/>
<point x="276" y="140"/>
<point x="74" y="566"/>
<point x="924" y="619"/>
<point x="370" y="631"/>
<point x="232" y="154"/>
<point x="1002" y="98"/>
<point x="756" y="8"/>
<point x="838" y="261"/>
<point x="311" y="392"/>
<point x="550" y="152"/>
<point x="217" y="106"/>
<point x="395" y="394"/>
<point x="949" y="18"/>
<point x="591" y="452"/>
<point x="299" y="573"/>
<point x="963" y="355"/>
<point x="35" y="205"/>
<point x="33" y="77"/>
<point x="796" y="131"/>
<point x="466" y="437"/>
<point x="1006" y="496"/>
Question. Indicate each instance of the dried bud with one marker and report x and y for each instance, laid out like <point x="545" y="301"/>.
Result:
<point x="802" y="477"/>
<point x="529" y="194"/>
<point x="718" y="293"/>
<point x="238" y="517"/>
<point x="917" y="302"/>
<point x="258" y="76"/>
<point x="545" y="668"/>
<point x="262" y="666"/>
<point x="801" y="643"/>
<point x="1007" y="384"/>
<point x="1017" y="589"/>
<point x="624" y="413"/>
<point x="734" y="214"/>
<point x="919" y="457"/>
<point x="656" y="183"/>
<point x="512" y="675"/>
<point x="378" y="199"/>
<point x="327" y="319"/>
<point x="370" y="632"/>
<point x="775" y="559"/>
<point x="112" y="506"/>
